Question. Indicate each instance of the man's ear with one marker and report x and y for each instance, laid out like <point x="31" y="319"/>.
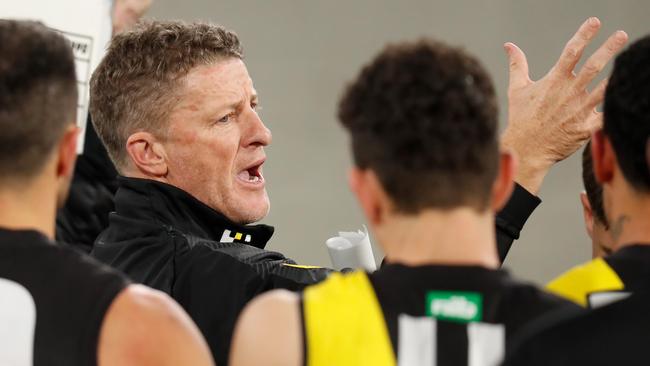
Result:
<point x="504" y="183"/>
<point x="603" y="157"/>
<point x="587" y="213"/>
<point x="67" y="156"/>
<point x="365" y="186"/>
<point x="147" y="154"/>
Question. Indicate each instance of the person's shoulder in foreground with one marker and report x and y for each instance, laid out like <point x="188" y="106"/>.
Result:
<point x="59" y="307"/>
<point x="429" y="192"/>
<point x="615" y="334"/>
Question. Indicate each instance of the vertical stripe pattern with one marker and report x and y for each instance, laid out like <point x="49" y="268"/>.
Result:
<point x="426" y="341"/>
<point x="417" y="341"/>
<point x="486" y="344"/>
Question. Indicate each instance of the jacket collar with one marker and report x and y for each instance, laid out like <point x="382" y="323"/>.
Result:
<point x="165" y="204"/>
<point x="639" y="252"/>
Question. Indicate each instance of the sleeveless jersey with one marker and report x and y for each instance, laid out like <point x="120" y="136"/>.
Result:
<point x="428" y="315"/>
<point x="52" y="301"/>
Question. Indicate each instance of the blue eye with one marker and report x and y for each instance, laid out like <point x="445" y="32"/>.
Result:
<point x="224" y="119"/>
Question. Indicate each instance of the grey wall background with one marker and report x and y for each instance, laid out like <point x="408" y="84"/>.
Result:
<point x="300" y="54"/>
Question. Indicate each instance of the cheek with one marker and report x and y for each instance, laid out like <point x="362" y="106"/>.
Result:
<point x="221" y="153"/>
<point x="213" y="160"/>
<point x="205" y="156"/>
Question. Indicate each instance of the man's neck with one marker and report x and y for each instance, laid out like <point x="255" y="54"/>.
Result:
<point x="629" y="222"/>
<point x="28" y="207"/>
<point x="459" y="236"/>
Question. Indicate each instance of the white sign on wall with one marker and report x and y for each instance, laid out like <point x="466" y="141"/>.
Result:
<point x="85" y="23"/>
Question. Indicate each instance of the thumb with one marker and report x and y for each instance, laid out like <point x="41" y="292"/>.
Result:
<point x="518" y="66"/>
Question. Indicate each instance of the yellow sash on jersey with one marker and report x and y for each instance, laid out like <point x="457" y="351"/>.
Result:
<point x="577" y="283"/>
<point x="344" y="323"/>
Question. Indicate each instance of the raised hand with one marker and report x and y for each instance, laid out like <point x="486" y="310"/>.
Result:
<point x="549" y="119"/>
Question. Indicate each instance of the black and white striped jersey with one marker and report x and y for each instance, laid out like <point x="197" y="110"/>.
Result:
<point x="428" y="315"/>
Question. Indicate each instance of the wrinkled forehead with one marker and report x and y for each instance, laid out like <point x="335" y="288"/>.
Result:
<point x="225" y="81"/>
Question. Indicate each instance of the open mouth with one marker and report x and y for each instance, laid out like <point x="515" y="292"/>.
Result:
<point x="252" y="174"/>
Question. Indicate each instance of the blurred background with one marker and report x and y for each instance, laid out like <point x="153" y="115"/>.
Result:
<point x="300" y="55"/>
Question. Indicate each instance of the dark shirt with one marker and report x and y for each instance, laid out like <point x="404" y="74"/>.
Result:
<point x="511" y="219"/>
<point x="615" y="334"/>
<point x="65" y="292"/>
<point x="632" y="265"/>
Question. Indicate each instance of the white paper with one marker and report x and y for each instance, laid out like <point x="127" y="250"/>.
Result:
<point x="85" y="23"/>
<point x="351" y="250"/>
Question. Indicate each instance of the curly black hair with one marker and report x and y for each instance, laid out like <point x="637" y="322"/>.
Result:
<point x="38" y="95"/>
<point x="627" y="112"/>
<point x="423" y="117"/>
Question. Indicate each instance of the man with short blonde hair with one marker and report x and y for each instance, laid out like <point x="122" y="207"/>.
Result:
<point x="177" y="111"/>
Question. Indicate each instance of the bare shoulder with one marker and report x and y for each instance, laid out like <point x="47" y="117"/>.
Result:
<point x="270" y="324"/>
<point x="146" y="327"/>
<point x="277" y="301"/>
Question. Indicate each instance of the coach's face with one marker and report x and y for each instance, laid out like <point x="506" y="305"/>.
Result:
<point x="215" y="143"/>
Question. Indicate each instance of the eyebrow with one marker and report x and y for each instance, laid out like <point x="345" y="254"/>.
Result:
<point x="237" y="105"/>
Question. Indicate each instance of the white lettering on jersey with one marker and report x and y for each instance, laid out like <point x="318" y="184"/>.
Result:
<point x="454" y="307"/>
<point x="17" y="324"/>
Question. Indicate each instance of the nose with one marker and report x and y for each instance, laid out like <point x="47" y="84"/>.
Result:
<point x="256" y="133"/>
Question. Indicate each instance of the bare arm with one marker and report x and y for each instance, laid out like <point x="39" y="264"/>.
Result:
<point x="549" y="119"/>
<point x="146" y="327"/>
<point x="269" y="332"/>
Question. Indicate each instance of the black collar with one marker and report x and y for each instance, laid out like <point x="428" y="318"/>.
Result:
<point x="637" y="251"/>
<point x="24" y="237"/>
<point x="168" y="205"/>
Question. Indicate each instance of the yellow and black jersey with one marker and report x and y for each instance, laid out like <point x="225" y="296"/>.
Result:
<point x="604" y="280"/>
<point x="433" y="315"/>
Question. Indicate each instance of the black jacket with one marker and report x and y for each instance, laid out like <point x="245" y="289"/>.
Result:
<point x="163" y="237"/>
<point x="85" y="213"/>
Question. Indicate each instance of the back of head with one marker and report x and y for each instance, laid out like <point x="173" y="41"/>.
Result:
<point x="38" y="96"/>
<point x="627" y="113"/>
<point x="135" y="85"/>
<point x="423" y="117"/>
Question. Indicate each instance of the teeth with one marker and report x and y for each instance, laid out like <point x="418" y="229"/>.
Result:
<point x="246" y="175"/>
